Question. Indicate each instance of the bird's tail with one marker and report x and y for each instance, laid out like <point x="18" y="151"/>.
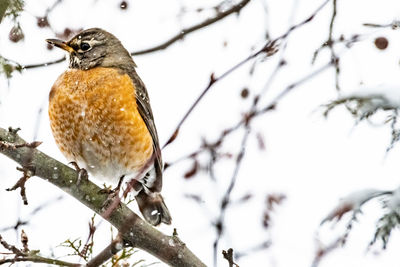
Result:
<point x="153" y="208"/>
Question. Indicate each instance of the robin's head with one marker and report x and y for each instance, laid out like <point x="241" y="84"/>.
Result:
<point x="93" y="48"/>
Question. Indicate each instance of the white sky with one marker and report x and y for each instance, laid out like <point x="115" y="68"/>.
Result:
<point x="312" y="160"/>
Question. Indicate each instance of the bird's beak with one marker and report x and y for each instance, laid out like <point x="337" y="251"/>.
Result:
<point x="60" y="44"/>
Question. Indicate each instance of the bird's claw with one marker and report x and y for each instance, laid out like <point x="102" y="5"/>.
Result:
<point x="82" y="173"/>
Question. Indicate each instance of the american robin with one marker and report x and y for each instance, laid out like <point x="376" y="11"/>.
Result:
<point x="101" y="118"/>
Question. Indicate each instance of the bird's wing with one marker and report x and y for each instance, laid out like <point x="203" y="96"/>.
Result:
<point x="143" y="105"/>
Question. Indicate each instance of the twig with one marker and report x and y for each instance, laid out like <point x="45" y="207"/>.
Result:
<point x="26" y="221"/>
<point x="219" y="225"/>
<point x="252" y="113"/>
<point x="38" y="259"/>
<point x="394" y="25"/>
<point x="269" y="49"/>
<point x="27" y="173"/>
<point x="220" y="15"/>
<point x="8" y="145"/>
<point x="45" y="64"/>
<point x="228" y="255"/>
<point x="323" y="251"/>
<point x="31" y="256"/>
<point x="9" y="247"/>
<point x="182" y="33"/>
<point x="87" y="248"/>
<point x="334" y="57"/>
<point x="213" y="80"/>
<point x="107" y="253"/>
<point x="24" y="241"/>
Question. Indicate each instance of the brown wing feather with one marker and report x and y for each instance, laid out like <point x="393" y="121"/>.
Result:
<point x="143" y="105"/>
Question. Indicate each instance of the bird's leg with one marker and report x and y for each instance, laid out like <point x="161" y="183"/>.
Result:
<point x="82" y="173"/>
<point x="108" y="190"/>
<point x="112" y="193"/>
<point x="121" y="179"/>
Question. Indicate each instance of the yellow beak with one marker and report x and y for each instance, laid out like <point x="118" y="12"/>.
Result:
<point x="60" y="44"/>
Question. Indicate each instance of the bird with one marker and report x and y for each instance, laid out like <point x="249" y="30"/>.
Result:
<point x="101" y="118"/>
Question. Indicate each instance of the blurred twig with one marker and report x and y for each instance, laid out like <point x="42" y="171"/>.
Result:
<point x="219" y="224"/>
<point x="394" y="25"/>
<point x="269" y="49"/>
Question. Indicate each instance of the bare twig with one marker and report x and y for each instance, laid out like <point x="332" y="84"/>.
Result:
<point x="251" y="114"/>
<point x="27" y="173"/>
<point x="21" y="222"/>
<point x="24" y="241"/>
<point x="219" y="224"/>
<point x="268" y="49"/>
<point x="220" y="15"/>
<point x="329" y="42"/>
<point x="228" y="255"/>
<point x="179" y="36"/>
<point x="323" y="251"/>
<point x="394" y="25"/>
<point x="29" y="256"/>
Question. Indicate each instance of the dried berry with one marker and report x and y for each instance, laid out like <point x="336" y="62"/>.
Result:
<point x="16" y="34"/>
<point x="244" y="93"/>
<point x="123" y="5"/>
<point x="42" y="22"/>
<point x="381" y="43"/>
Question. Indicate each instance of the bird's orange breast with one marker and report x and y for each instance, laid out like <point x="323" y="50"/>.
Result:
<point x="95" y="121"/>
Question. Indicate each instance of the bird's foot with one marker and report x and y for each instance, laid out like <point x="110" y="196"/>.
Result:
<point x="82" y="173"/>
<point x="108" y="190"/>
<point x="112" y="193"/>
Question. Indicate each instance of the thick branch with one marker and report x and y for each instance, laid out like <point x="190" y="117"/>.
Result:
<point x="134" y="230"/>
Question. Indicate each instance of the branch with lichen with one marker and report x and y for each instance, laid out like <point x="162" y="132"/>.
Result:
<point x="134" y="231"/>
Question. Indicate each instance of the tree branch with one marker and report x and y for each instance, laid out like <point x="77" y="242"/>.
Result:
<point x="135" y="231"/>
<point x="220" y="15"/>
<point x="179" y="36"/>
<point x="269" y="49"/>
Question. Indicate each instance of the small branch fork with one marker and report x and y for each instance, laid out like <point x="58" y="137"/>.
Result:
<point x="26" y="255"/>
<point x="28" y="171"/>
<point x="228" y="255"/>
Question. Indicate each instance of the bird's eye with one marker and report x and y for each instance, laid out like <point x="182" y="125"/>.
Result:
<point x="85" y="46"/>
